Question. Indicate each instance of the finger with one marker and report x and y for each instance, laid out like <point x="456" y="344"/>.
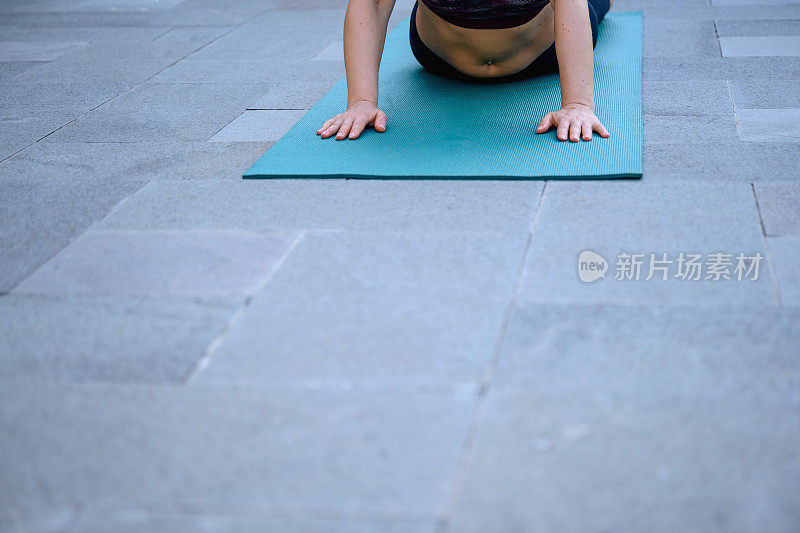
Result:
<point x="358" y="127"/>
<point x="344" y="129"/>
<point x="380" y="121"/>
<point x="333" y="128"/>
<point x="545" y="124"/>
<point x="330" y="130"/>
<point x="599" y="128"/>
<point x="575" y="131"/>
<point x="563" y="130"/>
<point x="325" y="125"/>
<point x="587" y="131"/>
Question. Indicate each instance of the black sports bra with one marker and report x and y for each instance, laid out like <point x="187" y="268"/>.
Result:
<point x="486" y="13"/>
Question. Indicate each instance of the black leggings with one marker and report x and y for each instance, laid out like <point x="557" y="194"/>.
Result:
<point x="544" y="64"/>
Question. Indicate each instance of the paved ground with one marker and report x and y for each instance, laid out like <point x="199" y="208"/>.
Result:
<point x="181" y="350"/>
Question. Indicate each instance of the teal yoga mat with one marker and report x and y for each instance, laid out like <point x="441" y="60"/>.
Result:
<point x="442" y="128"/>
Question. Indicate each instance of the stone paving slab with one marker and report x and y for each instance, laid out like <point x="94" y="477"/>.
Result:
<point x="10" y="70"/>
<point x="669" y="69"/>
<point x="334" y="453"/>
<point x="89" y="34"/>
<point x="145" y="161"/>
<point x="265" y="205"/>
<point x="293" y="95"/>
<point x="721" y="162"/>
<point x="124" y="5"/>
<point x="375" y="307"/>
<point x="333" y="52"/>
<point x="665" y="127"/>
<point x="107" y="339"/>
<point x="679" y="38"/>
<point x="785" y="253"/>
<point x="213" y="12"/>
<point x="721" y="353"/>
<point x="779" y="207"/>
<point x="175" y="263"/>
<point x="707" y="97"/>
<point x="745" y="27"/>
<point x="591" y="462"/>
<point x="44" y="6"/>
<point x="764" y="94"/>
<point x="35" y="50"/>
<point x="41" y="216"/>
<point x="254" y="126"/>
<point x="671" y="10"/>
<point x="156" y="112"/>
<point x="687" y="111"/>
<point x="58" y="102"/>
<point x="779" y="45"/>
<point x="18" y="133"/>
<point x="278" y="34"/>
<point x="771" y="11"/>
<point x="260" y="70"/>
<point x="613" y="218"/>
<point x="147" y="13"/>
<point x="703" y="10"/>
<point x="121" y="62"/>
<point x="135" y="522"/>
<point x="632" y="5"/>
<point x="769" y="125"/>
<point x="32" y="111"/>
<point x="77" y="20"/>
<point x="27" y="516"/>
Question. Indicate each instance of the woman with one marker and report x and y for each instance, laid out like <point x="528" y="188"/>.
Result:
<point x="479" y="41"/>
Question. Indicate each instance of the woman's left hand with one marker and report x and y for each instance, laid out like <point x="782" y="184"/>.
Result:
<point x="574" y="121"/>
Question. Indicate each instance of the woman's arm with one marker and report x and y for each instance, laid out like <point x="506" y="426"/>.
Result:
<point x="573" y="35"/>
<point x="574" y="51"/>
<point x="365" y="24"/>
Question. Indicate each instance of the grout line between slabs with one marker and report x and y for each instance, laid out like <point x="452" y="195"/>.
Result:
<point x="716" y="34"/>
<point x="467" y="448"/>
<point x="733" y="108"/>
<point x="205" y="358"/>
<point x="163" y="34"/>
<point x="73" y="239"/>
<point x="775" y="284"/>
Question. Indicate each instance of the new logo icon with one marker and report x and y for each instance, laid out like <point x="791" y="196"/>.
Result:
<point x="591" y="266"/>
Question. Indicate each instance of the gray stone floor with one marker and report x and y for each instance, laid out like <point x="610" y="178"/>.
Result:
<point x="183" y="350"/>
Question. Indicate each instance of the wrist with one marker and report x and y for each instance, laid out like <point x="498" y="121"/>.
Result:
<point x="351" y="102"/>
<point x="578" y="105"/>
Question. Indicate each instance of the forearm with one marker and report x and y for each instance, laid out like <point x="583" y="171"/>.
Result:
<point x="573" y="35"/>
<point x="365" y="24"/>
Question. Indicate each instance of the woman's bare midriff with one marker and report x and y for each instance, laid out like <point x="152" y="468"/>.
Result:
<point x="486" y="52"/>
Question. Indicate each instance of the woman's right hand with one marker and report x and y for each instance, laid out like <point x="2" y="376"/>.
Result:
<point x="356" y="117"/>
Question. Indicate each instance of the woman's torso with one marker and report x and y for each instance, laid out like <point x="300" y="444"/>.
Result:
<point x="486" y="52"/>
